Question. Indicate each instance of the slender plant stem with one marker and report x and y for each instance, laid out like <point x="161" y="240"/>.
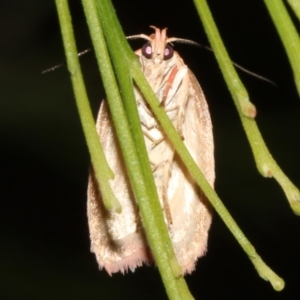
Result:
<point x="265" y="163"/>
<point x="295" y="5"/>
<point x="288" y="33"/>
<point x="102" y="170"/>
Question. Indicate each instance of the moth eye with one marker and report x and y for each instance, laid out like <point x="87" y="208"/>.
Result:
<point x="147" y="50"/>
<point x="168" y="52"/>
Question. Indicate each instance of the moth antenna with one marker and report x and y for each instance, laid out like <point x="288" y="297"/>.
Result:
<point x="84" y="52"/>
<point x="62" y="64"/>
<point x="254" y="74"/>
<point x="185" y="41"/>
<point x="193" y="43"/>
<point x="52" y="68"/>
<point x="138" y="36"/>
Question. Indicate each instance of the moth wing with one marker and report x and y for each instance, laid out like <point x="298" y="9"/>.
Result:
<point x="190" y="210"/>
<point x="201" y="129"/>
<point x="116" y="239"/>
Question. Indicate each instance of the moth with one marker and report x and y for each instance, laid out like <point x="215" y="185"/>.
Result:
<point x="118" y="240"/>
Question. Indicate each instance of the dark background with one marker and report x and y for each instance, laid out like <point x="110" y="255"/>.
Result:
<point x="44" y="247"/>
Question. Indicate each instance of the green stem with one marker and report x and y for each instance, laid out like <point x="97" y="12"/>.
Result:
<point x="102" y="170"/>
<point x="264" y="161"/>
<point x="295" y="5"/>
<point x="288" y="34"/>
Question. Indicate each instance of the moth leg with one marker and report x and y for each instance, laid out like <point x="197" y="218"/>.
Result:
<point x="178" y="123"/>
<point x="169" y="83"/>
<point x="145" y="106"/>
<point x="181" y="116"/>
<point x="154" y="141"/>
<point x="166" y="173"/>
<point x="162" y="172"/>
<point x="180" y="120"/>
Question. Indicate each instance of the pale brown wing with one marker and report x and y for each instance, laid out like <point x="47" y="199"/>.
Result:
<point x="190" y="210"/>
<point x="116" y="239"/>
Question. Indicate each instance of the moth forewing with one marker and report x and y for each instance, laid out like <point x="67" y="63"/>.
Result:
<point x="118" y="240"/>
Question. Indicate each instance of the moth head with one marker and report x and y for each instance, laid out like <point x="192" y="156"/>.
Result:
<point x="158" y="47"/>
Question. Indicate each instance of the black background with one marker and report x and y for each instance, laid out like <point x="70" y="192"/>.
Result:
<point x="44" y="247"/>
